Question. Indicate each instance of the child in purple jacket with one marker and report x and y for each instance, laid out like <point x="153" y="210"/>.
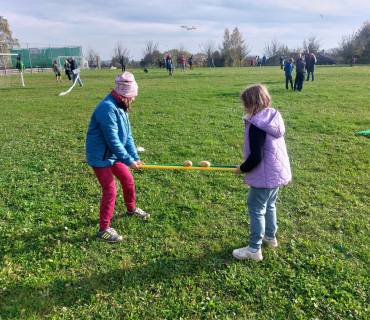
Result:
<point x="266" y="168"/>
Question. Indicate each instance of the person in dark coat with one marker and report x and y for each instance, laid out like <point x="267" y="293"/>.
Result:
<point x="73" y="65"/>
<point x="299" y="55"/>
<point x="310" y="65"/>
<point x="123" y="64"/>
<point x="306" y="56"/>
<point x="67" y="70"/>
<point x="57" y="71"/>
<point x="191" y="62"/>
<point x="264" y="61"/>
<point x="300" y="74"/>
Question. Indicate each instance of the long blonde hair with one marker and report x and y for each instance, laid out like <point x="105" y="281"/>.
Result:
<point x="255" y="99"/>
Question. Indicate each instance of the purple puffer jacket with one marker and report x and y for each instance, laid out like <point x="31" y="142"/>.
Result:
<point x="274" y="169"/>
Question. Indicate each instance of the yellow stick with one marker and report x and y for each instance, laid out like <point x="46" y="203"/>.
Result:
<point x="185" y="168"/>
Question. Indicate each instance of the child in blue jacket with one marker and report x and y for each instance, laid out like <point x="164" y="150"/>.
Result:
<point x="288" y="68"/>
<point x="110" y="150"/>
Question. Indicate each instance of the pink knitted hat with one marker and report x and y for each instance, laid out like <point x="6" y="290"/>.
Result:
<point x="126" y="85"/>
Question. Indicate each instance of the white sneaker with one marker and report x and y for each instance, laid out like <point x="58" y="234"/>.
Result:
<point x="245" y="253"/>
<point x="271" y="243"/>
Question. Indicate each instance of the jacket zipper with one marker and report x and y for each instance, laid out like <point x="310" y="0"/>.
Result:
<point x="105" y="153"/>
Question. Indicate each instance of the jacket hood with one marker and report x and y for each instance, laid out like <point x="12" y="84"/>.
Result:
<point x="268" y="120"/>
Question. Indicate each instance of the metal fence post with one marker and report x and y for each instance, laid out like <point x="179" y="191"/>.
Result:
<point x="29" y="57"/>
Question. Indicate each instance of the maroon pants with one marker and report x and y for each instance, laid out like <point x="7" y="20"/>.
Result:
<point x="106" y="180"/>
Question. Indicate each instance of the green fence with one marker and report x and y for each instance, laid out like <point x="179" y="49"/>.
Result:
<point x="44" y="57"/>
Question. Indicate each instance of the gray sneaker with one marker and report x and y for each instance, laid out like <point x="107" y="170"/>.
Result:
<point x="108" y="235"/>
<point x="272" y="243"/>
<point x="137" y="212"/>
<point x="245" y="253"/>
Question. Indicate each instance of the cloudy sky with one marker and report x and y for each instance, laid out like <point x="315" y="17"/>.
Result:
<point x="102" y="23"/>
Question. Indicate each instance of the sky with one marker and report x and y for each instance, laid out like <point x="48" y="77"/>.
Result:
<point x="101" y="24"/>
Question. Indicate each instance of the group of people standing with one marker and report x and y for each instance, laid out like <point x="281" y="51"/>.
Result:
<point x="168" y="64"/>
<point x="303" y="64"/>
<point x="257" y="62"/>
<point x="69" y="66"/>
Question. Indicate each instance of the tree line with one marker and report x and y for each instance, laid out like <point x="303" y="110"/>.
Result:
<point x="233" y="51"/>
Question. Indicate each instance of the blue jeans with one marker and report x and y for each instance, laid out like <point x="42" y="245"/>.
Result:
<point x="308" y="75"/>
<point x="262" y="214"/>
<point x="74" y="79"/>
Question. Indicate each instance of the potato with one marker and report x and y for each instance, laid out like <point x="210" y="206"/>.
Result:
<point x="205" y="164"/>
<point x="188" y="163"/>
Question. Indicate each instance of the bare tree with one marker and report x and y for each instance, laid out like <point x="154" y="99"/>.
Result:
<point x="347" y="46"/>
<point x="120" y="51"/>
<point x="273" y="49"/>
<point x="182" y="48"/>
<point x="208" y="49"/>
<point x="312" y="43"/>
<point x="150" y="53"/>
<point x="91" y="55"/>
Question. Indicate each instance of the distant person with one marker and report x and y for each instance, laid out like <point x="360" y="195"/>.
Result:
<point x="182" y="62"/>
<point x="310" y="65"/>
<point x="266" y="168"/>
<point x="289" y="67"/>
<point x="300" y="74"/>
<point x="352" y="62"/>
<point x="67" y="69"/>
<point x="252" y="62"/>
<point x="264" y="61"/>
<point x="74" y="66"/>
<point x="123" y="64"/>
<point x="160" y="64"/>
<point x="306" y="56"/>
<point x="256" y="61"/>
<point x="282" y="60"/>
<point x="146" y="70"/>
<point x="191" y="62"/>
<point x="110" y="151"/>
<point x="169" y="66"/>
<point x="299" y="55"/>
<point x="211" y="63"/>
<point x="57" y="71"/>
<point x="167" y="59"/>
<point x="164" y="63"/>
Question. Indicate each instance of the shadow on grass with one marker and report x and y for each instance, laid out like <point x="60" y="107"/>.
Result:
<point x="154" y="274"/>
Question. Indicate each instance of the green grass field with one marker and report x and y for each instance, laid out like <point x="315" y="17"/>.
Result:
<point x="178" y="264"/>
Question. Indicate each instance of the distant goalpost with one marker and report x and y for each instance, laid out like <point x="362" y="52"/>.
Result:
<point x="8" y="74"/>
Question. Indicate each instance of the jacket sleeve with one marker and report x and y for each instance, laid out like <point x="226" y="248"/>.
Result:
<point x="108" y="124"/>
<point x="257" y="139"/>
<point x="130" y="145"/>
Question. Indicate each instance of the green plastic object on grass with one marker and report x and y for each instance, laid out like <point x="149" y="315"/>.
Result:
<point x="364" y="132"/>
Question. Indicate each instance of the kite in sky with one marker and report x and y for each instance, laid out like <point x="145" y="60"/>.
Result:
<point x="326" y="19"/>
<point x="187" y="28"/>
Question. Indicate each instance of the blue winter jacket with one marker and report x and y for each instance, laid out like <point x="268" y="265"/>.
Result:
<point x="288" y="68"/>
<point x="109" y="138"/>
